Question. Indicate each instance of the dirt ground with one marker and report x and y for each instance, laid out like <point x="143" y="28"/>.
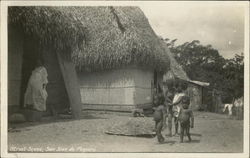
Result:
<point x="211" y="133"/>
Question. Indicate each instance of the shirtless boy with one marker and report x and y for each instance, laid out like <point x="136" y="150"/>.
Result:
<point x="186" y="118"/>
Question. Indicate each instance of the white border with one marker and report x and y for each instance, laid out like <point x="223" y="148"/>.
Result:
<point x="5" y="4"/>
<point x="3" y="79"/>
<point x="246" y="82"/>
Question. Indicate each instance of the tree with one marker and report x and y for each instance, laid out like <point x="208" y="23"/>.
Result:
<point x="234" y="74"/>
<point x="204" y="63"/>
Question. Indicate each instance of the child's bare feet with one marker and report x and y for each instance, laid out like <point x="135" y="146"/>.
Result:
<point x="168" y="135"/>
<point x="161" y="140"/>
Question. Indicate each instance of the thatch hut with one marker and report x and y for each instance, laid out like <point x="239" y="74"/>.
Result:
<point x="96" y="57"/>
<point x="118" y="66"/>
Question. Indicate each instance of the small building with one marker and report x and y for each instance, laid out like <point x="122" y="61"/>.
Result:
<point x="196" y="92"/>
<point x="96" y="57"/>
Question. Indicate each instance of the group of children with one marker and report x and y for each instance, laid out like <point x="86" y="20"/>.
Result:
<point x="173" y="106"/>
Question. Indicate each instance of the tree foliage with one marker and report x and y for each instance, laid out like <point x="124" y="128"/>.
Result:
<point x="204" y="63"/>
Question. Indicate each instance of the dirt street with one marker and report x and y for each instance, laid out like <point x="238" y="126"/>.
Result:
<point x="211" y="133"/>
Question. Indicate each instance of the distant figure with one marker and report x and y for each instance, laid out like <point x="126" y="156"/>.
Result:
<point x="35" y="96"/>
<point x="186" y="118"/>
<point x="239" y="104"/>
<point x="230" y="109"/>
<point x="160" y="118"/>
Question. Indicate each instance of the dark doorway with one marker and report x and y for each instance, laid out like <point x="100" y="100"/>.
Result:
<point x="31" y="55"/>
<point x="57" y="101"/>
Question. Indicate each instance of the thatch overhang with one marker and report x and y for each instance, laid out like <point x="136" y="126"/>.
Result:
<point x="98" y="38"/>
<point x="202" y="84"/>
<point x="176" y="71"/>
<point x="51" y="26"/>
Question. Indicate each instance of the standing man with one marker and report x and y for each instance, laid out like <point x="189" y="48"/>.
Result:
<point x="177" y="104"/>
<point x="169" y="95"/>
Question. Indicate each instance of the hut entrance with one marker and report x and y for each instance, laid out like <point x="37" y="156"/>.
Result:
<point x="157" y="84"/>
<point x="57" y="101"/>
<point x="155" y="80"/>
<point x="30" y="56"/>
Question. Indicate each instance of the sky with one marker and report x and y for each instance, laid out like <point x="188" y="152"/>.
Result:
<point x="220" y="25"/>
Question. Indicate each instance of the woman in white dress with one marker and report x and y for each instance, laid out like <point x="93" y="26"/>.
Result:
<point x="35" y="96"/>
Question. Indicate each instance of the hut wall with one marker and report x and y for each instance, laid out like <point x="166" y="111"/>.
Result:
<point x="143" y="82"/>
<point x="195" y="93"/>
<point x="115" y="89"/>
<point x="15" y="53"/>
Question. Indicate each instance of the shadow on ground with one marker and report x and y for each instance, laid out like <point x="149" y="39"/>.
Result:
<point x="195" y="134"/>
<point x="193" y="141"/>
<point x="14" y="127"/>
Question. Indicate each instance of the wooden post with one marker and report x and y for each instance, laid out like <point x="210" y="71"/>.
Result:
<point x="202" y="101"/>
<point x="71" y="85"/>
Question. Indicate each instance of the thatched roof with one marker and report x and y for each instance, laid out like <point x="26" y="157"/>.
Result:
<point x="176" y="70"/>
<point x="49" y="25"/>
<point x="97" y="37"/>
<point x="203" y="84"/>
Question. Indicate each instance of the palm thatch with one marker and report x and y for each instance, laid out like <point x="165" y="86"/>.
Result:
<point x="203" y="84"/>
<point x="176" y="70"/>
<point x="49" y="25"/>
<point x="98" y="37"/>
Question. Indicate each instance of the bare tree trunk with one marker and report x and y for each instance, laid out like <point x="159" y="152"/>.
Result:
<point x="71" y="85"/>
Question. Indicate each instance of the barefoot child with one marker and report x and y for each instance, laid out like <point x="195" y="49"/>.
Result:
<point x="186" y="118"/>
<point x="160" y="118"/>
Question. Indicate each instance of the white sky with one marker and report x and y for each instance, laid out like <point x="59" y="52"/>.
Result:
<point x="220" y="25"/>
